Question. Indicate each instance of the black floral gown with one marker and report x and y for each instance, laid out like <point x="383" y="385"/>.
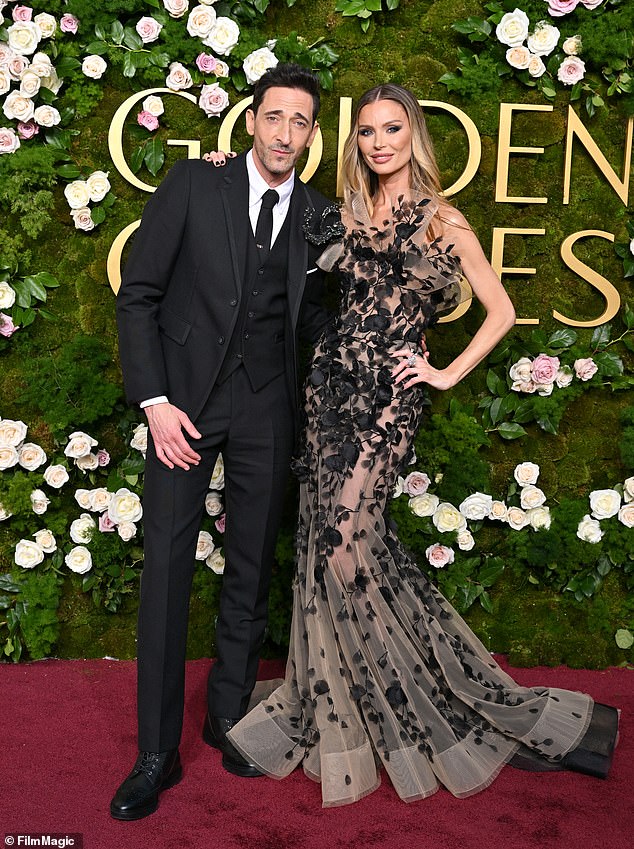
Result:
<point x="381" y="670"/>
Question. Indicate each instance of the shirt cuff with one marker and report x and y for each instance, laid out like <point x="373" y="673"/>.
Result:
<point x="160" y="399"/>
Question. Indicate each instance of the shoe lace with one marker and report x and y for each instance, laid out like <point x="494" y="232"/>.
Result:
<point x="148" y="763"/>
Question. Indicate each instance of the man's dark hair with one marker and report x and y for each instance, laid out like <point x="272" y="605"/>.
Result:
<point x="287" y="75"/>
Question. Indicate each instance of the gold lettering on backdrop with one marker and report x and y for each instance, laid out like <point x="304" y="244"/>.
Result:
<point x="473" y="137"/>
<point x="113" y="263"/>
<point x="497" y="257"/>
<point x="345" y="125"/>
<point x="115" y="135"/>
<point x="576" y="128"/>
<point x="192" y="145"/>
<point x="505" y="150"/>
<point x="611" y="295"/>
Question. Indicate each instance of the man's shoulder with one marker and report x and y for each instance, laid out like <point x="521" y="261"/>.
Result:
<point x="317" y="200"/>
<point x="199" y="169"/>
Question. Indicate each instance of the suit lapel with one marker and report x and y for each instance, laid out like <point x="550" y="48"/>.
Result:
<point x="234" y="191"/>
<point x="297" y="250"/>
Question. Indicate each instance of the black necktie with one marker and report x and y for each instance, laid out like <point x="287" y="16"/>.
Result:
<point x="264" y="227"/>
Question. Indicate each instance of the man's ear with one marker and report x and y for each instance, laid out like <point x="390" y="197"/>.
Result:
<point x="249" y="119"/>
<point x="313" y="133"/>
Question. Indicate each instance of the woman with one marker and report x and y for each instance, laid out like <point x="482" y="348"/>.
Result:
<point x="381" y="669"/>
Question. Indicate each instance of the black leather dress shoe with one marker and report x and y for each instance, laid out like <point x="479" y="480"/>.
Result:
<point x="215" y="734"/>
<point x="138" y="796"/>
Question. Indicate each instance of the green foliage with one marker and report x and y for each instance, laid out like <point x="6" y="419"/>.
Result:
<point x="626" y="443"/>
<point x="28" y="607"/>
<point x="363" y="9"/>
<point x="68" y="387"/>
<point x="27" y="178"/>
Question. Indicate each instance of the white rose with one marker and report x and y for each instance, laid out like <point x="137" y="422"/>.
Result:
<point x="531" y="496"/>
<point x="213" y="100"/>
<point x="17" y="66"/>
<point x="4" y="513"/>
<point x="5" y="81"/>
<point x="572" y="45"/>
<point x="398" y="487"/>
<point x="216" y="562"/>
<point x="545" y="389"/>
<point x="521" y="370"/>
<point x="523" y="386"/>
<point x="12" y="432"/>
<point x="31" y="456"/>
<point x="81" y="529"/>
<point x="125" y="506"/>
<point x="30" y="83"/>
<point x="476" y="506"/>
<point x="526" y="473"/>
<point x="77" y="194"/>
<point x="41" y="65"/>
<point x="628" y="489"/>
<point x="98" y="499"/>
<point x="45" y="540"/>
<point x="126" y="531"/>
<point x="213" y="504"/>
<point x="205" y="545"/>
<point x="17" y="107"/>
<point x="424" y="505"/>
<point x="6" y="54"/>
<point x="56" y="476"/>
<point x="46" y="24"/>
<point x="589" y="530"/>
<point x="604" y="503"/>
<point x="28" y="554"/>
<point x="257" y="63"/>
<point x="83" y="219"/>
<point x="221" y="69"/>
<point x="223" y="37"/>
<point x="24" y="37"/>
<point x="447" y="518"/>
<point x="98" y="185"/>
<point x="47" y="116"/>
<point x="564" y="377"/>
<point x="539" y="518"/>
<point x="82" y="497"/>
<point x="513" y="28"/>
<point x="9" y="457"/>
<point x="139" y="440"/>
<point x="94" y="67"/>
<point x="7" y="296"/>
<point x="154" y="105"/>
<point x="543" y="41"/>
<point x="178" y="77"/>
<point x="536" y="67"/>
<point x="201" y="21"/>
<point x="498" y="511"/>
<point x="88" y="463"/>
<point x="517" y="518"/>
<point x="518" y="57"/>
<point x="39" y="502"/>
<point x="465" y="541"/>
<point x="416" y="483"/>
<point x="79" y="444"/>
<point x="176" y="8"/>
<point x="218" y="475"/>
<point x="79" y="560"/>
<point x="626" y="515"/>
<point x="439" y="555"/>
<point x="52" y="82"/>
<point x="148" y="29"/>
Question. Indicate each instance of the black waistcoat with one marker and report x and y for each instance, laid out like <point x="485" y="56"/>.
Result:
<point x="257" y="342"/>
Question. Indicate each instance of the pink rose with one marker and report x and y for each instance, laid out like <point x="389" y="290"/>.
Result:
<point x="557" y="8"/>
<point x="149" y="29"/>
<point x="106" y="525"/>
<point x="147" y="120"/>
<point x="544" y="369"/>
<point x="572" y="70"/>
<point x="416" y="483"/>
<point x="22" y="13"/>
<point x="439" y="555"/>
<point x="103" y="458"/>
<point x="9" y="141"/>
<point x="206" y="63"/>
<point x="28" y="129"/>
<point x="69" y="23"/>
<point x="213" y="100"/>
<point x="585" y="368"/>
<point x="7" y="327"/>
<point x="591" y="4"/>
<point x="16" y="66"/>
<point x="220" y="523"/>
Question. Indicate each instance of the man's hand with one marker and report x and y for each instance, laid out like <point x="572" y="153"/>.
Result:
<point x="167" y="423"/>
<point x="217" y="157"/>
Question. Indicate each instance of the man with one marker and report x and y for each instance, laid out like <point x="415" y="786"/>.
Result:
<point x="219" y="283"/>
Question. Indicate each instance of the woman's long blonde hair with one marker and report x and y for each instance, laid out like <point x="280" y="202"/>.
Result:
<point x="358" y="177"/>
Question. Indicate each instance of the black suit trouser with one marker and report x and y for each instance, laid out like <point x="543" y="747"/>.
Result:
<point x="254" y="432"/>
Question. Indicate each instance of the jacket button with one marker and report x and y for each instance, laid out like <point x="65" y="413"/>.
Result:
<point x="260" y="271"/>
<point x="246" y="335"/>
<point x="221" y="340"/>
<point x="251" y="314"/>
<point x="233" y="302"/>
<point x="255" y="292"/>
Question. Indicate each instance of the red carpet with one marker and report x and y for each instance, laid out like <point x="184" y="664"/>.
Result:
<point x="68" y="739"/>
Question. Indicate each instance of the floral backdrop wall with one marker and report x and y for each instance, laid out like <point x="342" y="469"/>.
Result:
<point x="521" y="497"/>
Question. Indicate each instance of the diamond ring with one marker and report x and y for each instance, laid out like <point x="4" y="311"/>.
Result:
<point x="411" y="360"/>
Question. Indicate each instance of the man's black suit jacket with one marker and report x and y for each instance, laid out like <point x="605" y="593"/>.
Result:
<point x="177" y="305"/>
